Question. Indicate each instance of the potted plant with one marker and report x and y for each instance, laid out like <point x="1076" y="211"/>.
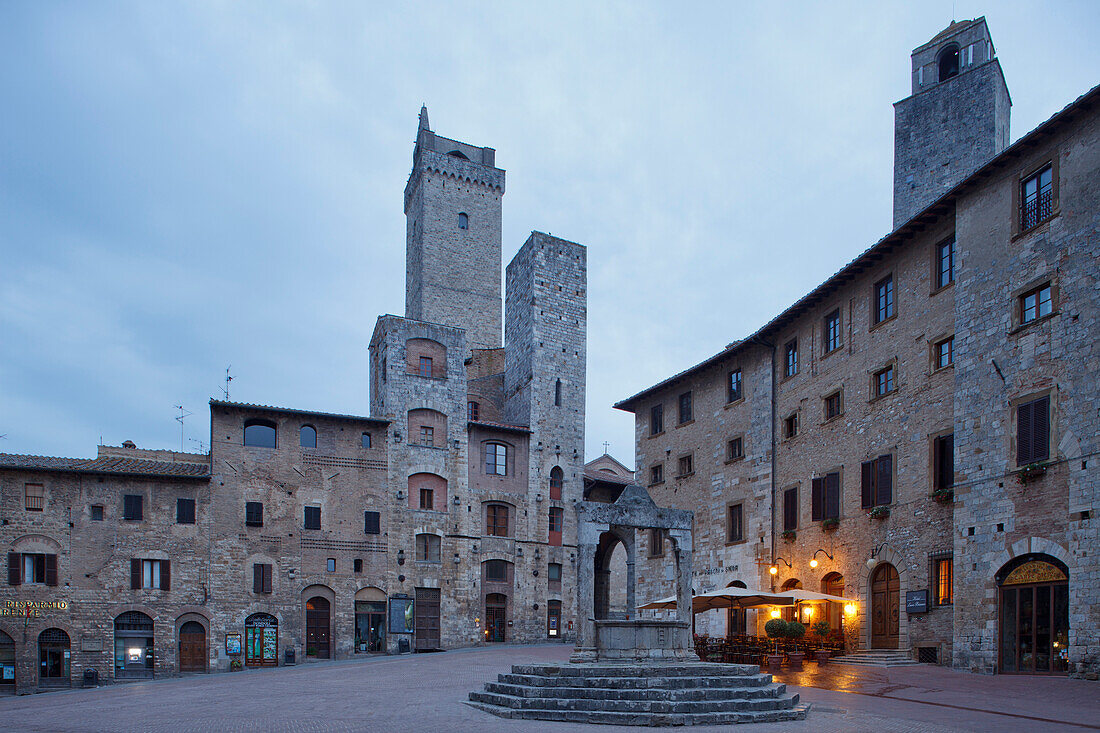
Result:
<point x="235" y="665"/>
<point x="879" y="512"/>
<point x="1030" y="472"/>
<point x="830" y="524"/>
<point x="776" y="629"/>
<point x="821" y="630"/>
<point x="795" y="630"/>
<point x="943" y="496"/>
<point x="788" y="535"/>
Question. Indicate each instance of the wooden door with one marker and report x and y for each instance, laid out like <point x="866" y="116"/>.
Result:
<point x="426" y="621"/>
<point x="884" y="607"/>
<point x="192" y="647"/>
<point x="317" y="627"/>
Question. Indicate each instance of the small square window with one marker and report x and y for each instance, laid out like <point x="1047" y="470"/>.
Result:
<point x="253" y="514"/>
<point x="425" y="366"/>
<point x="185" y="511"/>
<point x="132" y="507"/>
<point x="427" y="436"/>
<point x="656" y="474"/>
<point x="95" y="512"/>
<point x="686" y="467"/>
<point x="884" y="381"/>
<point x="884" y="299"/>
<point x="790" y="425"/>
<point x="833" y="406"/>
<point x="427" y="499"/>
<point x="945" y="352"/>
<point x="331" y="565"/>
<point x="832" y="331"/>
<point x="357" y="565"/>
<point x="553" y="572"/>
<point x="734" y="449"/>
<point x="312" y="517"/>
<point x="1036" y="304"/>
<point x="372" y="523"/>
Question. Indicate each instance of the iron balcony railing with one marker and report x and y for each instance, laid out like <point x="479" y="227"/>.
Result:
<point x="1036" y="209"/>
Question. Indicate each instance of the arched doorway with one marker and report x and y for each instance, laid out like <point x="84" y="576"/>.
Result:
<point x="53" y="658"/>
<point x="370" y="620"/>
<point x="885" y="587"/>
<point x="7" y="664"/>
<point x="611" y="561"/>
<point x="192" y="647"/>
<point x="833" y="584"/>
<point x="790" y="613"/>
<point x="133" y="646"/>
<point x="261" y="640"/>
<point x="1033" y="616"/>
<point x="317" y="627"/>
<point x="496" y="616"/>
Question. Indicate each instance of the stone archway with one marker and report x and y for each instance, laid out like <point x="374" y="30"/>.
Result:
<point x="886" y="555"/>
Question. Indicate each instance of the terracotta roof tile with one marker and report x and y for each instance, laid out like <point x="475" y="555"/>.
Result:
<point x="114" y="465"/>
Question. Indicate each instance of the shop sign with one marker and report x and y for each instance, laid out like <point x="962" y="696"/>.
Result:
<point x="233" y="644"/>
<point x="31" y="608"/>
<point x="401" y="615"/>
<point x="916" y="601"/>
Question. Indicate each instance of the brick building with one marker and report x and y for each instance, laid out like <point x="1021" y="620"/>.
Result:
<point x="438" y="521"/>
<point x="923" y="425"/>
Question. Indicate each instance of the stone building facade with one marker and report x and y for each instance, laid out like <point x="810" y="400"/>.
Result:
<point x="442" y="519"/>
<point x="919" y="432"/>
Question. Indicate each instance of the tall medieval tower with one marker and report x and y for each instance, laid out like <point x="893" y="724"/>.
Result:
<point x="453" y="224"/>
<point x="955" y="121"/>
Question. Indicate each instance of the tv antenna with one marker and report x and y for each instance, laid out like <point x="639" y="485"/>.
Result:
<point x="202" y="444"/>
<point x="184" y="413"/>
<point x="228" y="379"/>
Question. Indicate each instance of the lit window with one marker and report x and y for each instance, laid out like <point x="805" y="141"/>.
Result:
<point x="496" y="459"/>
<point x="942" y="579"/>
<point x="1036" y="304"/>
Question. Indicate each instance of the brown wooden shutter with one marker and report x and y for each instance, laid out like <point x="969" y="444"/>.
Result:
<point x="1024" y="433"/>
<point x="135" y="573"/>
<point x="1040" y="441"/>
<point x="832" y="496"/>
<point x="257" y="578"/>
<point x="166" y="575"/>
<point x="817" y="500"/>
<point x="51" y="569"/>
<point x="937" y="464"/>
<point x="266" y="578"/>
<point x="867" y="484"/>
<point x="15" y="569"/>
<point x="790" y="509"/>
<point x="884" y="485"/>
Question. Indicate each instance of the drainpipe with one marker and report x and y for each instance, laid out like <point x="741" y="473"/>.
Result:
<point x="774" y="409"/>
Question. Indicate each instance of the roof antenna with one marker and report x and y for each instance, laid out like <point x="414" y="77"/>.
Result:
<point x="183" y="414"/>
<point x="228" y="379"/>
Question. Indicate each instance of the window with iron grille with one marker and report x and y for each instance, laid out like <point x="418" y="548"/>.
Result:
<point x="941" y="572"/>
<point x="790" y="509"/>
<point x="132" y="507"/>
<point x="825" y="497"/>
<point x="261" y="578"/>
<point x="185" y="511"/>
<point x="790" y="363"/>
<point x="945" y="263"/>
<point x="1036" y="304"/>
<point x="312" y="516"/>
<point x="1033" y="431"/>
<point x="1036" y="198"/>
<point x="686" y="465"/>
<point x="35" y="495"/>
<point x="496" y="520"/>
<point x="685" y="408"/>
<point x="832" y="331"/>
<point x="496" y="571"/>
<point x="943" y="462"/>
<point x="656" y="419"/>
<point x="884" y="381"/>
<point x="372" y="523"/>
<point x="496" y="459"/>
<point x="427" y="548"/>
<point x="427" y="499"/>
<point x="945" y="352"/>
<point x="833" y="406"/>
<point x="253" y="514"/>
<point x="735" y="449"/>
<point x="735" y="523"/>
<point x="877" y="481"/>
<point x="734" y="391"/>
<point x="884" y="299"/>
<point x="656" y="474"/>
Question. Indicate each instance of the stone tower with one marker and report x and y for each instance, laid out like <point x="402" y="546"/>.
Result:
<point x="956" y="119"/>
<point x="545" y="362"/>
<point x="453" y="221"/>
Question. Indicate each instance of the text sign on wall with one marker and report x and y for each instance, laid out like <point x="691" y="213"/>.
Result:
<point x="916" y="601"/>
<point x="31" y="608"/>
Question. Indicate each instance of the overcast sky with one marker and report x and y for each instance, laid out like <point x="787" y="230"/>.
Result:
<point x="185" y="186"/>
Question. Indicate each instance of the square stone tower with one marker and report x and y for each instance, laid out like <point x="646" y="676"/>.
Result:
<point x="956" y="119"/>
<point x="453" y="221"/>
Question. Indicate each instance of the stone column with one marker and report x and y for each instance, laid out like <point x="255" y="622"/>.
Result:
<point x="588" y="537"/>
<point x="631" y="604"/>
<point x="683" y="550"/>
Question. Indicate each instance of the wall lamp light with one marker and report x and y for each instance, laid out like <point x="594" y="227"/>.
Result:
<point x="774" y="569"/>
<point x="813" y="560"/>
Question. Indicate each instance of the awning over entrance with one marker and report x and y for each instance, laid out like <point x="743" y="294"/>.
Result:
<point x="724" y="598"/>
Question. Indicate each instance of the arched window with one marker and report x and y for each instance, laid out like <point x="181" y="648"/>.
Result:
<point x="463" y="221"/>
<point x="428" y="491"/>
<point x="496" y="571"/>
<point x="53" y="658"/>
<point x="427" y="548"/>
<point x="557" y="480"/>
<point x="133" y="646"/>
<point x="496" y="520"/>
<point x="948" y="62"/>
<point x="259" y="433"/>
<point x="307" y="436"/>
<point x="496" y="459"/>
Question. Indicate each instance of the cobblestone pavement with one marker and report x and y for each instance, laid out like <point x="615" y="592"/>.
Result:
<point x="427" y="691"/>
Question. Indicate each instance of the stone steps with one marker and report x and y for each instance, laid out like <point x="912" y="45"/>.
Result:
<point x="658" y="694"/>
<point x="876" y="658"/>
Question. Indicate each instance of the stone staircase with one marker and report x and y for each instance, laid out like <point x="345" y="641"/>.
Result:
<point x="636" y="694"/>
<point x="877" y="658"/>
